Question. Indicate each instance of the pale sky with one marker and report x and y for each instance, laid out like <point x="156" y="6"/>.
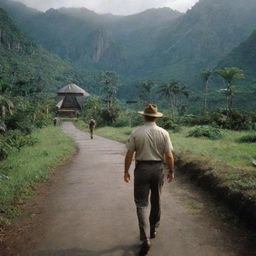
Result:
<point x="122" y="7"/>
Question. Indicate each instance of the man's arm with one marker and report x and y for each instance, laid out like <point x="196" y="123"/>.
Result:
<point x="127" y="164"/>
<point x="170" y="163"/>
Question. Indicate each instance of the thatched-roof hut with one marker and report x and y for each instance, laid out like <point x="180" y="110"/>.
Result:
<point x="69" y="105"/>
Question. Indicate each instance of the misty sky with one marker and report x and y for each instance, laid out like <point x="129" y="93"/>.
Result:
<point x="122" y="7"/>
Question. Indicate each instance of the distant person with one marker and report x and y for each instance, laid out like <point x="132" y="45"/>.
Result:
<point x="55" y="121"/>
<point x="151" y="144"/>
<point x="92" y="125"/>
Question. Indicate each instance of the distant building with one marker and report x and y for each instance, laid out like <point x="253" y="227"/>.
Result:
<point x="70" y="104"/>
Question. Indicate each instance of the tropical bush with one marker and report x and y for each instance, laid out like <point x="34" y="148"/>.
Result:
<point x="109" y="115"/>
<point x="250" y="138"/>
<point x="196" y="119"/>
<point x="168" y="123"/>
<point x="18" y="140"/>
<point x="234" y="120"/>
<point x="136" y="120"/>
<point x="205" y="131"/>
<point x="5" y="148"/>
<point x="14" y="140"/>
<point x="122" y="120"/>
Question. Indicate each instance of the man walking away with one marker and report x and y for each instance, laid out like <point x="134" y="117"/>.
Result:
<point x="92" y="125"/>
<point x="151" y="145"/>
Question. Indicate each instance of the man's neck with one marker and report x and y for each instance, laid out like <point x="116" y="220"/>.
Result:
<point x="150" y="123"/>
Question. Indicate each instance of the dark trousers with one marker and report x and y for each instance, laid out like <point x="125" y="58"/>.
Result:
<point x="148" y="180"/>
<point x="91" y="131"/>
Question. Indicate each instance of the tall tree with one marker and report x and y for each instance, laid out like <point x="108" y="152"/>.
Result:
<point x="145" y="91"/>
<point x="206" y="74"/>
<point x="109" y="82"/>
<point x="171" y="92"/>
<point x="109" y="90"/>
<point x="229" y="75"/>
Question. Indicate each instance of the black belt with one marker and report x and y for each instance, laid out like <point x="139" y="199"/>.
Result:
<point x="148" y="161"/>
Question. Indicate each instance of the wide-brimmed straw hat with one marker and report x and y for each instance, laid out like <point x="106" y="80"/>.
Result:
<point x="151" y="110"/>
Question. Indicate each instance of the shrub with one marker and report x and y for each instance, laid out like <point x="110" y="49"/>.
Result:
<point x="196" y="119"/>
<point x="250" y="138"/>
<point x="236" y="120"/>
<point x="239" y="121"/>
<point x="5" y="148"/>
<point x="14" y="140"/>
<point x="136" y="120"/>
<point x="17" y="140"/>
<point x="167" y="123"/>
<point x="205" y="131"/>
<point x="122" y="120"/>
<point x="109" y="115"/>
<point x="42" y="121"/>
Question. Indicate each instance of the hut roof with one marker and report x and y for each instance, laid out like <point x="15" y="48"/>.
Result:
<point x="73" y="89"/>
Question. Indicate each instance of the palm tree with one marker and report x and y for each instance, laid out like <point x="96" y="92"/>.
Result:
<point x="206" y="74"/>
<point x="229" y="75"/>
<point x="170" y="91"/>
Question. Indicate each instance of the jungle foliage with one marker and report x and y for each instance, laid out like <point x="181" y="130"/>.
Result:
<point x="24" y="107"/>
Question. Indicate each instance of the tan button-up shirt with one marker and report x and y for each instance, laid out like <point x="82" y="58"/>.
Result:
<point x="150" y="142"/>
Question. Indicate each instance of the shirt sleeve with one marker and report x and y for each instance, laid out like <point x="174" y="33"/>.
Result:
<point x="168" y="144"/>
<point x="130" y="145"/>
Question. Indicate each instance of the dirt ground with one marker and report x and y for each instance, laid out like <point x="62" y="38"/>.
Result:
<point x="87" y="210"/>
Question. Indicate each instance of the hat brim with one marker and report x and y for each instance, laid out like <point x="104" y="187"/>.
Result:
<point x="158" y="114"/>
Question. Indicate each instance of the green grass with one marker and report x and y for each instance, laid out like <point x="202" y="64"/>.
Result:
<point x="225" y="149"/>
<point x="23" y="169"/>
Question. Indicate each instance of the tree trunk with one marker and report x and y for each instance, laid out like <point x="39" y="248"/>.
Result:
<point x="206" y="97"/>
<point x="3" y="112"/>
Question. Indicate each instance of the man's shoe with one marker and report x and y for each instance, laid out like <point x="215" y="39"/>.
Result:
<point x="152" y="234"/>
<point x="144" y="248"/>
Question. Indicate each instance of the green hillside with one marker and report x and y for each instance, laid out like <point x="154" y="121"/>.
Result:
<point x="203" y="36"/>
<point x="244" y="57"/>
<point x="22" y="59"/>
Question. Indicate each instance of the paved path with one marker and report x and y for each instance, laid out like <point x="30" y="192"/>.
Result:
<point x="90" y="211"/>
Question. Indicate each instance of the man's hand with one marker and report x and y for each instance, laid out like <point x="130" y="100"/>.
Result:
<point x="127" y="177"/>
<point x="170" y="176"/>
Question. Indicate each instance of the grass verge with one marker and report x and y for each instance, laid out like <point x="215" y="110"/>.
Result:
<point x="23" y="169"/>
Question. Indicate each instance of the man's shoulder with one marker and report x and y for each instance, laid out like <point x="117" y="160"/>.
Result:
<point x="162" y="130"/>
<point x="138" y="130"/>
